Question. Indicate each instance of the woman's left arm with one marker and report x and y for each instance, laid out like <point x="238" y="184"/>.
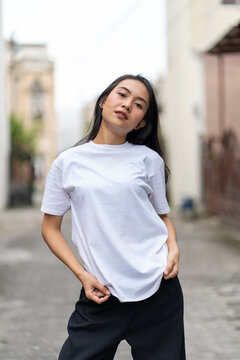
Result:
<point x="173" y="250"/>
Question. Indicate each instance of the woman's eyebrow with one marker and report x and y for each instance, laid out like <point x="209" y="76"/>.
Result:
<point x="140" y="98"/>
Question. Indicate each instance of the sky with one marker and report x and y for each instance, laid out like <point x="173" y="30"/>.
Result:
<point x="91" y="42"/>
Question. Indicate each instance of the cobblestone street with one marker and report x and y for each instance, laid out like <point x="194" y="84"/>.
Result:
<point x="38" y="293"/>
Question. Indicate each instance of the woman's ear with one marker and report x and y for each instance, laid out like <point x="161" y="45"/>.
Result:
<point x="141" y="124"/>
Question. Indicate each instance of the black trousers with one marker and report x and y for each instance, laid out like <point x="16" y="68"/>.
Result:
<point x="152" y="327"/>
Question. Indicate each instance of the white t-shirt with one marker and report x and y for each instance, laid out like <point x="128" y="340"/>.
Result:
<point x="115" y="193"/>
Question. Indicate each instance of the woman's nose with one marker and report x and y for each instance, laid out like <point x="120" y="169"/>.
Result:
<point x="127" y="106"/>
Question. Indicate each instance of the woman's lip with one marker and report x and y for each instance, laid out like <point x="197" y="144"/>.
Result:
<point x="121" y="114"/>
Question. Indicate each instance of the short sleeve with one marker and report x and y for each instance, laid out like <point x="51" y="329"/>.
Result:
<point x="56" y="200"/>
<point x="157" y="183"/>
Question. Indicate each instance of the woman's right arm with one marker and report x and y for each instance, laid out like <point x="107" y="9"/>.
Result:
<point x="52" y="235"/>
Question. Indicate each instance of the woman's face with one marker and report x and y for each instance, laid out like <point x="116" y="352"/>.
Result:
<point x="126" y="105"/>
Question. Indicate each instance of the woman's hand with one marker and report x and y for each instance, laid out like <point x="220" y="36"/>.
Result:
<point x="51" y="232"/>
<point x="94" y="290"/>
<point x="172" y="267"/>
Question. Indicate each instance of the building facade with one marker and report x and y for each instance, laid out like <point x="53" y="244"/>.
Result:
<point x="193" y="27"/>
<point x="4" y="130"/>
<point x="222" y="143"/>
<point x="30" y="97"/>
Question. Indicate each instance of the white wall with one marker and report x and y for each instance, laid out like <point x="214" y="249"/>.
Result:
<point x="4" y="131"/>
<point x="184" y="114"/>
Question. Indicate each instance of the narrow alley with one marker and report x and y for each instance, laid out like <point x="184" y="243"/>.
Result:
<point x="38" y="293"/>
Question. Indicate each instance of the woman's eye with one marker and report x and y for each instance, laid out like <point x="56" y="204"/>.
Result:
<point x="139" y="105"/>
<point x="121" y="94"/>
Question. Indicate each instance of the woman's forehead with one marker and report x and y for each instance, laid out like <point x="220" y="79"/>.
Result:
<point x="136" y="87"/>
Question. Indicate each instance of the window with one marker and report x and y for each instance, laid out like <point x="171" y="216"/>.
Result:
<point x="37" y="101"/>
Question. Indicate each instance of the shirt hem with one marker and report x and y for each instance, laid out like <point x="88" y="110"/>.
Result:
<point x="149" y="294"/>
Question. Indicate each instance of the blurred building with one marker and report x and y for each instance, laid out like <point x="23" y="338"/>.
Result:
<point x="193" y="29"/>
<point x="30" y="96"/>
<point x="4" y="133"/>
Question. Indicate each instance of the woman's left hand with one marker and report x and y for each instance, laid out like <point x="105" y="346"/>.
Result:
<point x="172" y="267"/>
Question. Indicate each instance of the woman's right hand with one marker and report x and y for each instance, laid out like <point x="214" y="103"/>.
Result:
<point x="94" y="290"/>
<point x="51" y="232"/>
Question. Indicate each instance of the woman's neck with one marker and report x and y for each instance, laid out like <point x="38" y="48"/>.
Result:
<point x="109" y="139"/>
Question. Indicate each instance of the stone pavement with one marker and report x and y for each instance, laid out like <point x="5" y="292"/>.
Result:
<point x="37" y="292"/>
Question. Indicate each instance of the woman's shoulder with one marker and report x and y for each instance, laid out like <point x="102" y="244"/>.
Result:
<point x="68" y="154"/>
<point x="152" y="155"/>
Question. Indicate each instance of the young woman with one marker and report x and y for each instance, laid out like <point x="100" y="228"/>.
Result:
<point x="114" y="183"/>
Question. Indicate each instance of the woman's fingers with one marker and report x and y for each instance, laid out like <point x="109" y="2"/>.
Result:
<point x="172" y="265"/>
<point x="102" y="288"/>
<point x="95" y="291"/>
<point x="168" y="267"/>
<point x="99" y="299"/>
<point x="98" y="292"/>
<point x="97" y="296"/>
<point x="171" y="271"/>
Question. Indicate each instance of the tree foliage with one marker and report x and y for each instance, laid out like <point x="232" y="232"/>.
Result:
<point x="23" y="141"/>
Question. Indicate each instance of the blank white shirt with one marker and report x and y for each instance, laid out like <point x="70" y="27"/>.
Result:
<point x="115" y="193"/>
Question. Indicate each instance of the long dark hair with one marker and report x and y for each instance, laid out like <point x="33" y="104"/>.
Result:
<point x="148" y="134"/>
